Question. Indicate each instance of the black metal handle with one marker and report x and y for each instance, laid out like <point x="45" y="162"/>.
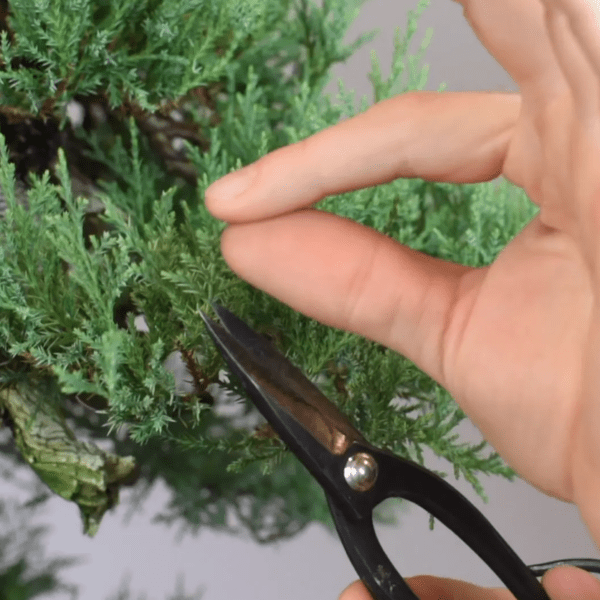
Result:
<point x="405" y="479"/>
<point x="368" y="558"/>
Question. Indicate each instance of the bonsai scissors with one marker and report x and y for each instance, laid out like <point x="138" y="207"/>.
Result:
<point x="355" y="475"/>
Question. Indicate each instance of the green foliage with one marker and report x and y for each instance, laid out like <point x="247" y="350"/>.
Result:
<point x="158" y="253"/>
<point x="144" y="52"/>
<point x="416" y="78"/>
<point x="150" y="52"/>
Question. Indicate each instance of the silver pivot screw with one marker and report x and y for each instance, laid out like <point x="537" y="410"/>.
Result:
<point x="361" y="471"/>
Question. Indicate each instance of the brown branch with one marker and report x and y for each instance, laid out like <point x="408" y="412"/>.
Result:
<point x="50" y="102"/>
<point x="200" y="379"/>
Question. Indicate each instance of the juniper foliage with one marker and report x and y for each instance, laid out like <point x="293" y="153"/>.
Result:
<point x="95" y="304"/>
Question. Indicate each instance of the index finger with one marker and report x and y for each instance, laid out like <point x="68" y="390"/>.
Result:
<point x="457" y="137"/>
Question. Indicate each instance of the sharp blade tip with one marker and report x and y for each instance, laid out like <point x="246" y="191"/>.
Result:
<point x="223" y="313"/>
<point x="210" y="324"/>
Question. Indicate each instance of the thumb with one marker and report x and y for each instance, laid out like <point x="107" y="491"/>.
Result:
<point x="428" y="587"/>
<point x="351" y="277"/>
<point x="570" y="583"/>
<point x="561" y="583"/>
<point x="356" y="591"/>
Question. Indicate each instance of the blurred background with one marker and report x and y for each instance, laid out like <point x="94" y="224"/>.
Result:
<point x="149" y="560"/>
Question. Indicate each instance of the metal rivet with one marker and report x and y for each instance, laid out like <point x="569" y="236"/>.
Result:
<point x="361" y="471"/>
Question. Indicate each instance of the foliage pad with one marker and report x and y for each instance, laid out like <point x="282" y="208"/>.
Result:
<point x="103" y="315"/>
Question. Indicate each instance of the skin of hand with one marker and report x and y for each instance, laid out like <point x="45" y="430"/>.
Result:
<point x="562" y="583"/>
<point x="516" y="343"/>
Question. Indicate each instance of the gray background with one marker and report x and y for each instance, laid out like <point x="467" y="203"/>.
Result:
<point x="313" y="565"/>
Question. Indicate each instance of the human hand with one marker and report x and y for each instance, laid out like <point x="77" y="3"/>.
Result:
<point x="517" y="343"/>
<point x="561" y="583"/>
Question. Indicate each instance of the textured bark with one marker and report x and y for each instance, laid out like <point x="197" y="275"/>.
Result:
<point x="76" y="470"/>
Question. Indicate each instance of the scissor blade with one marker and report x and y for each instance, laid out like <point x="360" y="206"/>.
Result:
<point x="278" y="388"/>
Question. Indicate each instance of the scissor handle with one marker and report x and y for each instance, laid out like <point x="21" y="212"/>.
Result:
<point x="369" y="559"/>
<point x="401" y="478"/>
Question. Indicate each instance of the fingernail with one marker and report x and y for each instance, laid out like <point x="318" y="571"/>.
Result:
<point x="232" y="185"/>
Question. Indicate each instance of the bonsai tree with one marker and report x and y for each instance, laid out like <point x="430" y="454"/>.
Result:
<point x="115" y="116"/>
